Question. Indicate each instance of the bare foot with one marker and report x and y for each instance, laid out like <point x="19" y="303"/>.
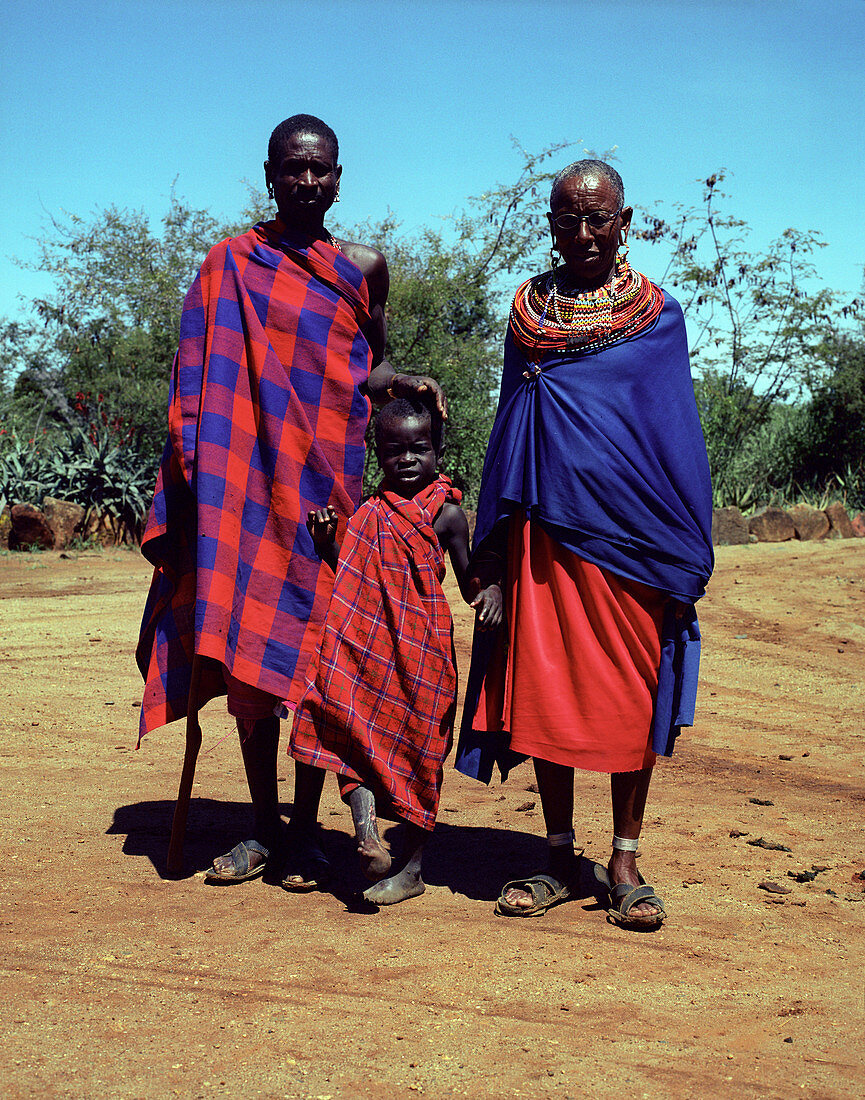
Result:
<point x="306" y="865"/>
<point x="375" y="860"/>
<point x="622" y="868"/>
<point x="400" y="887"/>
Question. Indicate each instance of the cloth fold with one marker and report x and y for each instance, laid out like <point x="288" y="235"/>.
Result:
<point x="379" y="707"/>
<point x="266" y="421"/>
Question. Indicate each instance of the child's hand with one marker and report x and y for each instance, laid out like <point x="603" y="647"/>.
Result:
<point x="322" y="525"/>
<point x="488" y="608"/>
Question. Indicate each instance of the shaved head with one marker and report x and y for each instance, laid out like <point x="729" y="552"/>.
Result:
<point x="300" y="124"/>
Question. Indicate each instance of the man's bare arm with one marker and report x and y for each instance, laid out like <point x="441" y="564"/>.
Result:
<point x="384" y="382"/>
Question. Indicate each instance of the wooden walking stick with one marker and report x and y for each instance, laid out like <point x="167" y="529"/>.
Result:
<point x="193" y="744"/>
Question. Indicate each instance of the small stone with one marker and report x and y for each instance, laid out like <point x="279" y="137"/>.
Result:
<point x="761" y="801"/>
<point x="768" y="845"/>
<point x="802" y="876"/>
<point x="789" y="1039"/>
<point x="773" y="888"/>
<point x="525" y="806"/>
<point x="785" y="756"/>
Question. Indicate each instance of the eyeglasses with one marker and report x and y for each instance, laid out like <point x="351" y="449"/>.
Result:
<point x="598" y="219"/>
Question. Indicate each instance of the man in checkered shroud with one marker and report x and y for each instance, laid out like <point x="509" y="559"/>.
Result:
<point x="281" y="354"/>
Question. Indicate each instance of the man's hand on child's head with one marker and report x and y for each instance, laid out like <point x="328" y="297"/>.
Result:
<point x="322" y="525"/>
<point x="419" y="385"/>
<point x="488" y="608"/>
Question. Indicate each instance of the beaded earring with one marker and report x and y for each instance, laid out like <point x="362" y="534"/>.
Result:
<point x="270" y="190"/>
<point x="623" y="247"/>
<point x="336" y="196"/>
<point x="555" y="257"/>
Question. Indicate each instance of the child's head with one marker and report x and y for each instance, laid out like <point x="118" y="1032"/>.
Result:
<point x="408" y="445"/>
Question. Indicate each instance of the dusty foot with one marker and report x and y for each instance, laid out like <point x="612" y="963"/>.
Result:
<point x="563" y="866"/>
<point x="400" y="887"/>
<point x="375" y="860"/>
<point x="623" y="868"/>
<point x="227" y="868"/>
<point x="306" y="866"/>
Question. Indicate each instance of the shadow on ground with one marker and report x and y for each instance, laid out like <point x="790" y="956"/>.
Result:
<point x="467" y="860"/>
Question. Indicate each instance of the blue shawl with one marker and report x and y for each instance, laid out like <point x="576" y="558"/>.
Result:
<point x="606" y="451"/>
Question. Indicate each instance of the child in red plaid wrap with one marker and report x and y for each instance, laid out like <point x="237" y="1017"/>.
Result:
<point x="380" y="702"/>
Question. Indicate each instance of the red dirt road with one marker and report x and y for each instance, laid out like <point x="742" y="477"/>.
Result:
<point x="119" y="982"/>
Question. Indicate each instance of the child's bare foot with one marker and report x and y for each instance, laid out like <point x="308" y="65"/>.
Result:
<point x="400" y="887"/>
<point x="305" y="866"/>
<point x="375" y="861"/>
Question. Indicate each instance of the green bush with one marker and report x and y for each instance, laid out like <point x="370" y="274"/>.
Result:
<point x="92" y="470"/>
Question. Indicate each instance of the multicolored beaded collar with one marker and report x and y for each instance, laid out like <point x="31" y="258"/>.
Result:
<point x="545" y="318"/>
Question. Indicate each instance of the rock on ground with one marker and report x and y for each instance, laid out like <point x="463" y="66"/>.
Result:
<point x="771" y="525"/>
<point x="729" y="527"/>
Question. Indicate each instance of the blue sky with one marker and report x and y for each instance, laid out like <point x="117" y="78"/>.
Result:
<point x="112" y="102"/>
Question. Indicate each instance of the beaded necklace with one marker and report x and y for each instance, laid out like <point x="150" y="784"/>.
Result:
<point x="545" y="318"/>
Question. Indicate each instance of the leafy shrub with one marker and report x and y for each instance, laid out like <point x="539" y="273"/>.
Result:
<point x="92" y="470"/>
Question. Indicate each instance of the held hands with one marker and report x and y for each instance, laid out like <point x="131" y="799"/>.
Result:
<point x="407" y="385"/>
<point x="488" y="608"/>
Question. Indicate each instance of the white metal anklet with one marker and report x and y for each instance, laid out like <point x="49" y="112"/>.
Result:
<point x="623" y="844"/>
<point x="559" y="840"/>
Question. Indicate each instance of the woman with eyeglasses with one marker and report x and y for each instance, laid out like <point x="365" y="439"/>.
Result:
<point x="596" y="494"/>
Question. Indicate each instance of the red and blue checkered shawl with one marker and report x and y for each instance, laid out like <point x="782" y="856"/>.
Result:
<point x="266" y="421"/>
<point x="380" y="704"/>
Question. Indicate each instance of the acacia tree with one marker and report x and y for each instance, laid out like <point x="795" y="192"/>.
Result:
<point x="759" y="327"/>
<point x="98" y="349"/>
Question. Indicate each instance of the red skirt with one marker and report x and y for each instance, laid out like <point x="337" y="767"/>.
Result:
<point x="578" y="682"/>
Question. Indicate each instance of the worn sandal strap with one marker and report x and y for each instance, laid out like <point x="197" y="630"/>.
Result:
<point x="626" y="897"/>
<point x="240" y="854"/>
<point x="534" y="885"/>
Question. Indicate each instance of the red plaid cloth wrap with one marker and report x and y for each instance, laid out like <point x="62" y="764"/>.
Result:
<point x="379" y="708"/>
<point x="266" y="421"/>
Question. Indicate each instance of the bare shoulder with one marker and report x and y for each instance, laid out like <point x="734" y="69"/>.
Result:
<point x="374" y="266"/>
<point x="451" y="522"/>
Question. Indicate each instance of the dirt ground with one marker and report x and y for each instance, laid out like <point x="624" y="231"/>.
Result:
<point x="119" y="981"/>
